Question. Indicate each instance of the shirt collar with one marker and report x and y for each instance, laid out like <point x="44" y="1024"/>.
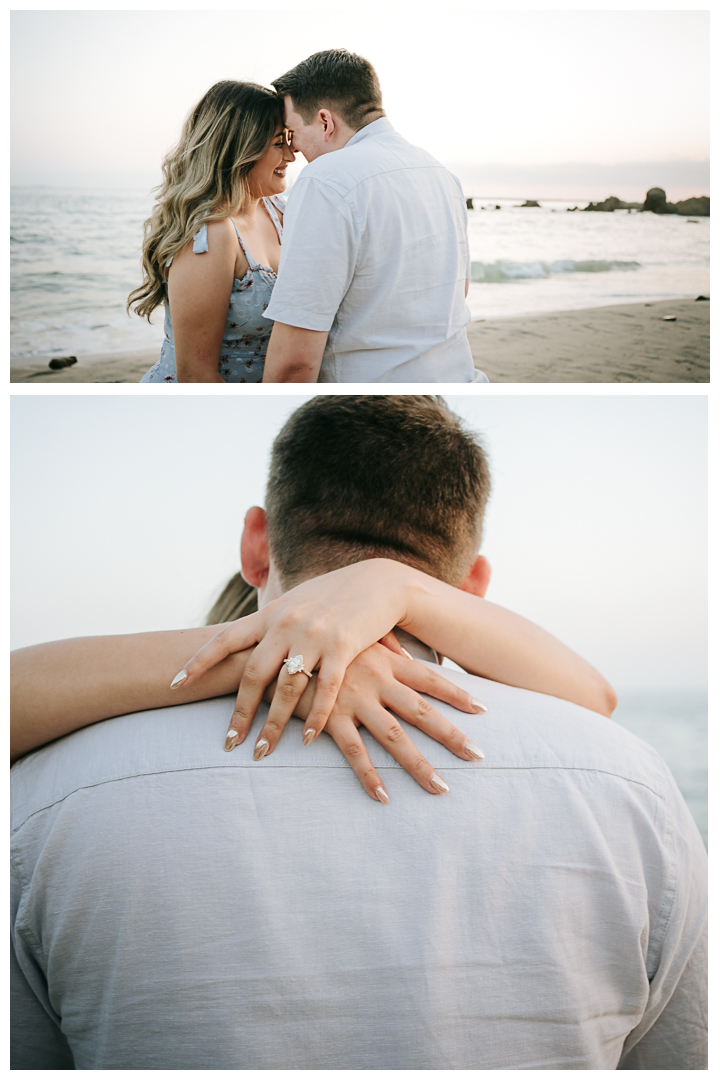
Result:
<point x="377" y="127"/>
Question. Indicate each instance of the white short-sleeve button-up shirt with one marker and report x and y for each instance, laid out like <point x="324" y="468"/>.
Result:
<point x="375" y="251"/>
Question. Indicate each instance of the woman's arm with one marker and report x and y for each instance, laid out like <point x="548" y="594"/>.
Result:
<point x="497" y="644"/>
<point x="64" y="685"/>
<point x="61" y="686"/>
<point x="199" y="288"/>
<point x="330" y="619"/>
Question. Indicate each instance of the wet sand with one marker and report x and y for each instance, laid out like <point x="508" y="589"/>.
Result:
<point x="624" y="343"/>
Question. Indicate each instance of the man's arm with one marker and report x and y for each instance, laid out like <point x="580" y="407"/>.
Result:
<point x="673" y="1031"/>
<point x="294" y="354"/>
<point x="36" y="1038"/>
<point x="678" y="1038"/>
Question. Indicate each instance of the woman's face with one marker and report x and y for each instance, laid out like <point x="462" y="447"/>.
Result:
<point x="267" y="176"/>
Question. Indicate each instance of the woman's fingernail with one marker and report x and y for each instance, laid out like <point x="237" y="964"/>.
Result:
<point x="439" y="784"/>
<point x="382" y="794"/>
<point x="406" y="653"/>
<point x="308" y="736"/>
<point x="478" y="705"/>
<point x="261" y="748"/>
<point x="231" y="739"/>
<point x="474" y="751"/>
<point x="179" y="679"/>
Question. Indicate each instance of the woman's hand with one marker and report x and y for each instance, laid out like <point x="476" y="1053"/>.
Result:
<point x="380" y="679"/>
<point x="328" y="621"/>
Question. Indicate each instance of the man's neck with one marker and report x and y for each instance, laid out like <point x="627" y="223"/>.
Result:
<point x="347" y="133"/>
<point x="376" y="114"/>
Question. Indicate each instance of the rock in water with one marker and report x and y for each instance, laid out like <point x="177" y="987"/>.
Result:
<point x="698" y="206"/>
<point x="656" y="202"/>
<point x="613" y="203"/>
<point x="529" y="202"/>
<point x="61" y="362"/>
<point x="469" y="204"/>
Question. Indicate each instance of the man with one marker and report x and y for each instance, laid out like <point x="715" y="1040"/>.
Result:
<point x="176" y="907"/>
<point x="375" y="263"/>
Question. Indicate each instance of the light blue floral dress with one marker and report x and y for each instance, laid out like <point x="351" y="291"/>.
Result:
<point x="245" y="341"/>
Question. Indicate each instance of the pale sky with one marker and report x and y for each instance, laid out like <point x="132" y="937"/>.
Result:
<point x="128" y="511"/>
<point x="99" y="96"/>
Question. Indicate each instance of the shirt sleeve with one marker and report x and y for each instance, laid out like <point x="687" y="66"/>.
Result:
<point x="319" y="253"/>
<point x="678" y="1038"/>
<point x="673" y="1031"/>
<point x="36" y="1039"/>
<point x="468" y="262"/>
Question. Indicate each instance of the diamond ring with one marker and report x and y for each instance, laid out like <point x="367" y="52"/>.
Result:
<point x="295" y="664"/>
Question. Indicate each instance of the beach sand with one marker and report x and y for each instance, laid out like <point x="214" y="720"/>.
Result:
<point x="624" y="343"/>
<point x="120" y="367"/>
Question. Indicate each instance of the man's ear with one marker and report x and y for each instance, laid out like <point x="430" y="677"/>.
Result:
<point x="478" y="579"/>
<point x="254" y="556"/>
<point x="326" y="119"/>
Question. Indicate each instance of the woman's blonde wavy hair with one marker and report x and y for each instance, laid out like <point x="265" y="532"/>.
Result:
<point x="205" y="176"/>
<point x="237" y="599"/>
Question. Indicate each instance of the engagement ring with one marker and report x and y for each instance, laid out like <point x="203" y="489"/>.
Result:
<point x="295" y="664"/>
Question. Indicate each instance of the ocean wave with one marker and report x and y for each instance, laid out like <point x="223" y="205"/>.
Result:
<point x="505" y="270"/>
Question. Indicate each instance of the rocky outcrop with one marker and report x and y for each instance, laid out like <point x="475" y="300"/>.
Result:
<point x="529" y="202"/>
<point x="613" y="203"/>
<point x="699" y="206"/>
<point x="469" y="204"/>
<point x="656" y="203"/>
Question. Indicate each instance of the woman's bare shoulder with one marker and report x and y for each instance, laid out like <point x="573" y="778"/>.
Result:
<point x="215" y="239"/>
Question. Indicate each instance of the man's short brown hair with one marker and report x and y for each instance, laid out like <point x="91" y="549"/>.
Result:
<point x="335" y="79"/>
<point x="370" y="476"/>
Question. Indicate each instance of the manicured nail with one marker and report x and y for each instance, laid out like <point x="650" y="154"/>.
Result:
<point x="474" y="751"/>
<point x="382" y="794"/>
<point x="406" y="653"/>
<point x="478" y="705"/>
<point x="179" y="679"/>
<point x="231" y="739"/>
<point x="261" y="748"/>
<point x="308" y="736"/>
<point x="439" y="784"/>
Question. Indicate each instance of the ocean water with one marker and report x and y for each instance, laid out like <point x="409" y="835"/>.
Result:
<point x="75" y="257"/>
<point x="532" y="260"/>
<point x="676" y="725"/>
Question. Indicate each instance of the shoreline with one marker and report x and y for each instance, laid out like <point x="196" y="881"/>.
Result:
<point x="617" y="343"/>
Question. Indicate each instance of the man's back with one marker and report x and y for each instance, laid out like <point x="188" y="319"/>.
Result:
<point x="376" y="232"/>
<point x="184" y="908"/>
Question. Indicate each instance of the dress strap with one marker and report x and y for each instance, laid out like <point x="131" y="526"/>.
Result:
<point x="200" y="240"/>
<point x="269" y="206"/>
<point x="200" y="243"/>
<point x="251" y="262"/>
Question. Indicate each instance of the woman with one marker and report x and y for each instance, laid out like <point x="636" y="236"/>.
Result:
<point x="343" y="616"/>
<point x="220" y="199"/>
